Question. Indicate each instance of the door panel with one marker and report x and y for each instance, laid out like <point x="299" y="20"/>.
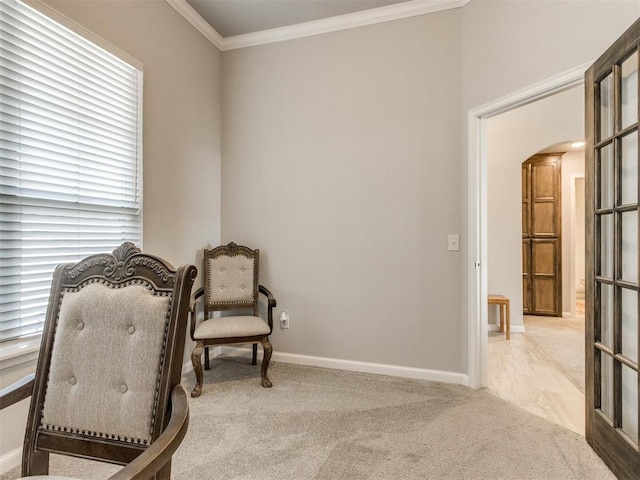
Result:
<point x="543" y="294"/>
<point x="612" y="264"/>
<point x="544" y="186"/>
<point x="544" y="268"/>
<point x="544" y="215"/>
<point x="544" y="257"/>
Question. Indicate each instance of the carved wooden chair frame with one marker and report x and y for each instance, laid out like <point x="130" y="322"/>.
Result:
<point x="231" y="250"/>
<point x="126" y="266"/>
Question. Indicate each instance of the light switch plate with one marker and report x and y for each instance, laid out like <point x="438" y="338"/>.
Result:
<point x="454" y="243"/>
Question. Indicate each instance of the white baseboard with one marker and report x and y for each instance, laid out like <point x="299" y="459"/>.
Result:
<point x="513" y="329"/>
<point x="10" y="460"/>
<point x="349" y="365"/>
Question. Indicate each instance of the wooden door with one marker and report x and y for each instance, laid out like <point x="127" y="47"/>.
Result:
<point x="541" y="235"/>
<point x="612" y="380"/>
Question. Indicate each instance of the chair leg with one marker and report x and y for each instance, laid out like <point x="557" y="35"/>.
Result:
<point x="268" y="349"/>
<point x="206" y="358"/>
<point x="197" y="367"/>
<point x="255" y="354"/>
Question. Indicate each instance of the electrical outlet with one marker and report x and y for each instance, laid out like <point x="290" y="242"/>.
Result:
<point x="284" y="320"/>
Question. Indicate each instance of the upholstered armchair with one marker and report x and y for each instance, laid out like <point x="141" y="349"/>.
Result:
<point x="107" y="383"/>
<point x="230" y="286"/>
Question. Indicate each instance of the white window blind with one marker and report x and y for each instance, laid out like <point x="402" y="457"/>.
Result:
<point x="70" y="158"/>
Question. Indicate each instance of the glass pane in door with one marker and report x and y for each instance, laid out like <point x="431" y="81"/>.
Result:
<point x="629" y="319"/>
<point x="606" y="385"/>
<point x="629" y="247"/>
<point x="606" y="315"/>
<point x="630" y="403"/>
<point x="605" y="170"/>
<point x="629" y="90"/>
<point x="606" y="246"/>
<point x="629" y="168"/>
<point x="606" y="107"/>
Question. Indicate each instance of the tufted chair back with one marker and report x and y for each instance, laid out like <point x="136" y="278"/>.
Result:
<point x="232" y="278"/>
<point x="111" y="354"/>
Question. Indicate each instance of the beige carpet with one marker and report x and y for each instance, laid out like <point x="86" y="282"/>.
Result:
<point x="325" y="424"/>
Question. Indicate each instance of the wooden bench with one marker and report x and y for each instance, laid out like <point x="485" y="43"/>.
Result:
<point x="503" y="305"/>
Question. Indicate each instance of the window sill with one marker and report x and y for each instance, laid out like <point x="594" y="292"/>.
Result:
<point x="20" y="351"/>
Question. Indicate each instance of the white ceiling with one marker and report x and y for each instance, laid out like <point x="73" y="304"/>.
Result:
<point x="238" y="17"/>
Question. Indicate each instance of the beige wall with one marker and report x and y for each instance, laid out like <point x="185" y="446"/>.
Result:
<point x="181" y="119"/>
<point x="181" y="143"/>
<point x="509" y="45"/>
<point x="340" y="162"/>
<point x="344" y="160"/>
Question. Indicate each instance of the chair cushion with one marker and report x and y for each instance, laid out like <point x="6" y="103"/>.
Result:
<point x="231" y="279"/>
<point x="230" y="327"/>
<point x="105" y="362"/>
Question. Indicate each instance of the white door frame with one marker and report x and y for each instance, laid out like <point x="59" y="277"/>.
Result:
<point x="477" y="210"/>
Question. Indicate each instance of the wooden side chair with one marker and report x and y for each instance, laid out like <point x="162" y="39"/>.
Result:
<point x="107" y="383"/>
<point x="230" y="286"/>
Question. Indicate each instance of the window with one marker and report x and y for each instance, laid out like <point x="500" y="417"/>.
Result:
<point x="70" y="158"/>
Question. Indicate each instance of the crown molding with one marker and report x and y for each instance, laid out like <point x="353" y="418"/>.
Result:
<point x="342" y="22"/>
<point x="194" y="18"/>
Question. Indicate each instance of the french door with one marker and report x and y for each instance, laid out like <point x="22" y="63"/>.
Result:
<point x="612" y="265"/>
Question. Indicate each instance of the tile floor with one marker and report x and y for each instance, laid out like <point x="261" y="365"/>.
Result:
<point x="521" y="373"/>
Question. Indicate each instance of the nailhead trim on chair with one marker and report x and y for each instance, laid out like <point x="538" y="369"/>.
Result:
<point x="57" y="428"/>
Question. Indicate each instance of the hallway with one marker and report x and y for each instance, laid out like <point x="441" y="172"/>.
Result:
<point x="542" y="370"/>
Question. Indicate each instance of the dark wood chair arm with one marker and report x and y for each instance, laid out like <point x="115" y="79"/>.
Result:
<point x="270" y="300"/>
<point x="149" y="462"/>
<point x="198" y="293"/>
<point x="192" y="310"/>
<point x="17" y="391"/>
<point x="271" y="303"/>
